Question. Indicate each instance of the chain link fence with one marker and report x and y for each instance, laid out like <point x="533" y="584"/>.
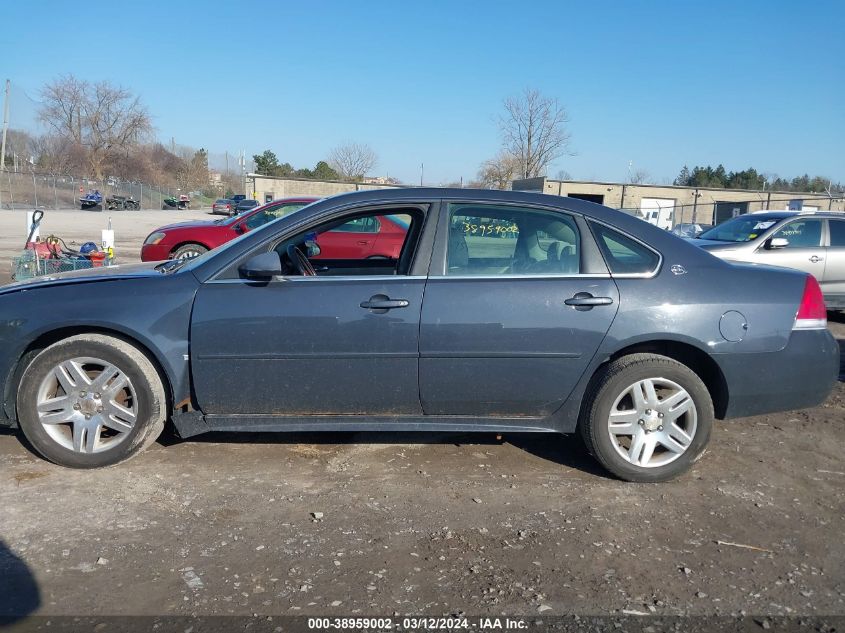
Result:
<point x="29" y="190"/>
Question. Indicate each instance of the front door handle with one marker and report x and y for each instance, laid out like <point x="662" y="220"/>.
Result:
<point x="586" y="301"/>
<point x="815" y="259"/>
<point x="380" y="304"/>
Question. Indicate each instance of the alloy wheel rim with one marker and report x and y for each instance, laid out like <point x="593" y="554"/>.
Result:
<point x="87" y="405"/>
<point x="652" y="422"/>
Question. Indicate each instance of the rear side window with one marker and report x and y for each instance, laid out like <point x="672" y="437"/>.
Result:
<point x="505" y="240"/>
<point x="837" y="233"/>
<point x="624" y="255"/>
<point x="368" y="224"/>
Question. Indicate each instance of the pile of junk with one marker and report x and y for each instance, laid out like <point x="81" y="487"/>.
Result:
<point x="172" y="202"/>
<point x="53" y="255"/>
<point x="93" y="201"/>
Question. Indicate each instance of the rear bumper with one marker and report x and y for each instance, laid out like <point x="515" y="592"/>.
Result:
<point x="800" y="375"/>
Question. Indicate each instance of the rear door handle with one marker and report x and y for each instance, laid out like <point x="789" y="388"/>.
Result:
<point x="382" y="303"/>
<point x="586" y="301"/>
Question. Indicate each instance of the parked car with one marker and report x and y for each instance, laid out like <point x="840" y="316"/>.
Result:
<point x="245" y="205"/>
<point x="361" y="238"/>
<point x="237" y="198"/>
<point x="690" y="229"/>
<point x="503" y="312"/>
<point x="223" y="206"/>
<point x="811" y="242"/>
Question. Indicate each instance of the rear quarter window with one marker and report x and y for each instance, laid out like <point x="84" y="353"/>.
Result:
<point x="624" y="255"/>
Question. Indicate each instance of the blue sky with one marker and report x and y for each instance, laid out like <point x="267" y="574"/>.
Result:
<point x="662" y="84"/>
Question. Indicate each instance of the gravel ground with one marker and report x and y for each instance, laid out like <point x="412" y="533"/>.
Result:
<point x="428" y="524"/>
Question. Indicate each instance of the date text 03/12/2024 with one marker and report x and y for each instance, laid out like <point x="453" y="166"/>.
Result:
<point x="418" y="624"/>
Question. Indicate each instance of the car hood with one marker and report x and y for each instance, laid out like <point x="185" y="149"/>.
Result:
<point x="193" y="224"/>
<point x="87" y="275"/>
<point x="715" y="245"/>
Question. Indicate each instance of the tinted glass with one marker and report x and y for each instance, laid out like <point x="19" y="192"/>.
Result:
<point x="801" y="233"/>
<point x="837" y="233"/>
<point x="503" y="240"/>
<point x="623" y="254"/>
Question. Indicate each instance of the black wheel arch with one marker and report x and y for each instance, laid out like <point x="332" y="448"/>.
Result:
<point x="698" y="360"/>
<point x="46" y="339"/>
<point x="188" y="243"/>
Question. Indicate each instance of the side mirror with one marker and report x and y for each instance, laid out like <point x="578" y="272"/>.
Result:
<point x="776" y="242"/>
<point x="262" y="267"/>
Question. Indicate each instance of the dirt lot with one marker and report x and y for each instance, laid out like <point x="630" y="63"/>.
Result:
<point x="422" y="524"/>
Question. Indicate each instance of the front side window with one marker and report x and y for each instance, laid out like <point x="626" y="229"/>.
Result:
<point x="505" y="240"/>
<point x="371" y="243"/>
<point x="624" y="255"/>
<point x="806" y="233"/>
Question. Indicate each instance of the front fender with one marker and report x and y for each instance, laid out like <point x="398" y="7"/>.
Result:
<point x="153" y="312"/>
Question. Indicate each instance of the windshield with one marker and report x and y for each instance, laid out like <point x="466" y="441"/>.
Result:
<point x="744" y="228"/>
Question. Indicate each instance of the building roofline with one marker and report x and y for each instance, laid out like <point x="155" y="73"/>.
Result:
<point x="794" y="194"/>
<point x="338" y="182"/>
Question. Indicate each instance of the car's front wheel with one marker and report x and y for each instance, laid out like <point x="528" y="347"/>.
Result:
<point x="647" y="418"/>
<point x="91" y="401"/>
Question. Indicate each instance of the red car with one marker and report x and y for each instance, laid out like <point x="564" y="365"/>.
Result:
<point x="361" y="238"/>
<point x="190" y="239"/>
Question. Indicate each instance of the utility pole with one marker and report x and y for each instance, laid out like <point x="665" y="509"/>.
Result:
<point x="422" y="171"/>
<point x="5" y="128"/>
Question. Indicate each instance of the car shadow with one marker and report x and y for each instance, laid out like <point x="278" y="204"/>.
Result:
<point x="19" y="593"/>
<point x="562" y="450"/>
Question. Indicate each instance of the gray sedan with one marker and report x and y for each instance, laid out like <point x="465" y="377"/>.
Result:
<point x="502" y="312"/>
<point x="811" y="242"/>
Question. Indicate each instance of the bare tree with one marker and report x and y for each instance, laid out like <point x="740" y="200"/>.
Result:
<point x="534" y="129"/>
<point x="103" y="118"/>
<point x="562" y="174"/>
<point x="58" y="155"/>
<point x="353" y="160"/>
<point x="639" y="177"/>
<point x="498" y="172"/>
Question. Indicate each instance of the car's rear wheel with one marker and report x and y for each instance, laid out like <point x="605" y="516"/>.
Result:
<point x="647" y="418"/>
<point x="188" y="251"/>
<point x="91" y="401"/>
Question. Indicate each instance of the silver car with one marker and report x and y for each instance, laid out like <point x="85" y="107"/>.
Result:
<point x="812" y="242"/>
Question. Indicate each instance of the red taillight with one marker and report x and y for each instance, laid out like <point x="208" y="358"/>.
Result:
<point x="812" y="313"/>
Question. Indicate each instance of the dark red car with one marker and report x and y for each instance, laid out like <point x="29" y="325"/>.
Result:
<point x="357" y="239"/>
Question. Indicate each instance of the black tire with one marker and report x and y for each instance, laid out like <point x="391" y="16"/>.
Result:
<point x="611" y="383"/>
<point x="134" y="364"/>
<point x="188" y="251"/>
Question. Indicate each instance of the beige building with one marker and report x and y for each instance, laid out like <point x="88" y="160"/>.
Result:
<point x="666" y="205"/>
<point x="267" y="188"/>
